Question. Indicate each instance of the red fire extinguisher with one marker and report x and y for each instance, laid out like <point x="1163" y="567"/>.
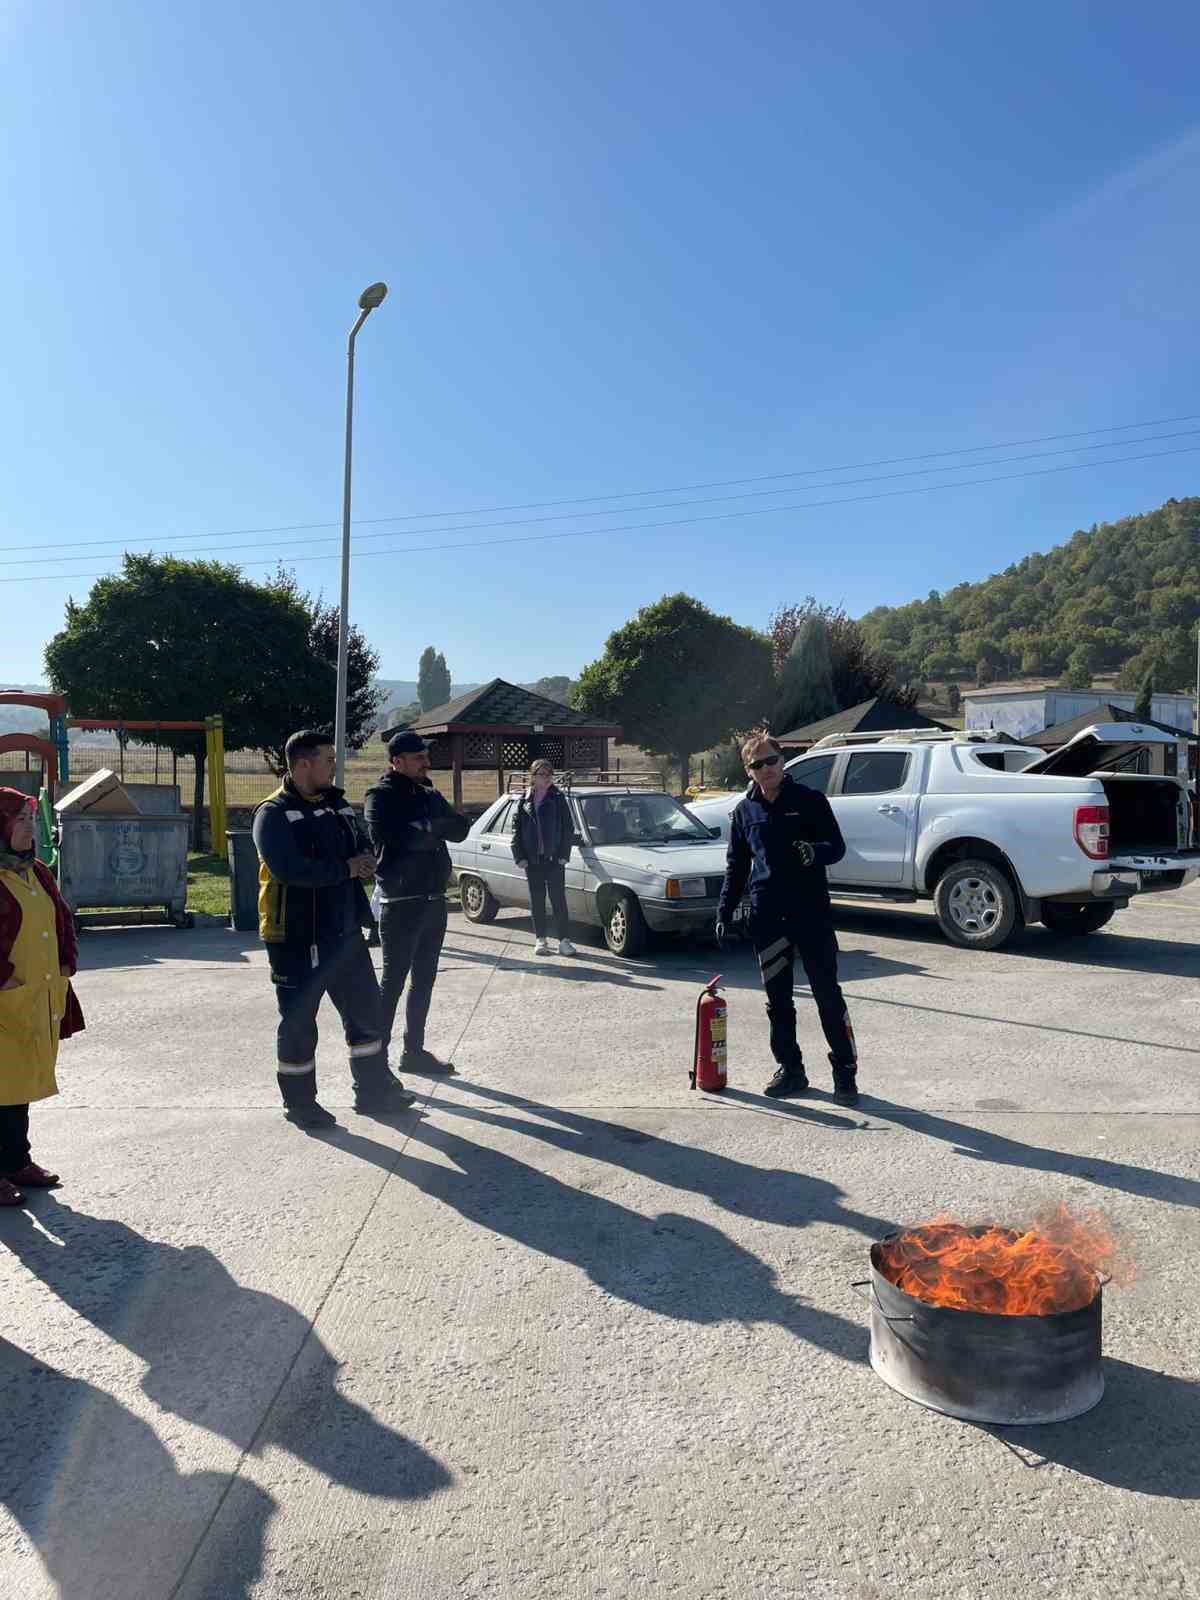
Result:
<point x="708" y="1061"/>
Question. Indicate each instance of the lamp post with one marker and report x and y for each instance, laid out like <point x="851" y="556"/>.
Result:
<point x="367" y="301"/>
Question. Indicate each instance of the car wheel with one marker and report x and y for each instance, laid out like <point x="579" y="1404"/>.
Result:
<point x="976" y="904"/>
<point x="624" y="926"/>
<point x="1073" y="921"/>
<point x="478" y="902"/>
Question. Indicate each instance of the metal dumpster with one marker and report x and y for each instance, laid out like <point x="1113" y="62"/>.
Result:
<point x="125" y="861"/>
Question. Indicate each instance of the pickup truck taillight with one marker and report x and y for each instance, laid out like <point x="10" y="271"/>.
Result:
<point x="1091" y="831"/>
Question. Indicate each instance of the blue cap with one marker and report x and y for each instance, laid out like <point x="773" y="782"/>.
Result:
<point x="406" y="743"/>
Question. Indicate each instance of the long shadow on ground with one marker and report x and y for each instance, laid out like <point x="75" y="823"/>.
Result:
<point x="1142" y="1436"/>
<point x="99" y="1496"/>
<point x="242" y="1363"/>
<point x="672" y="1265"/>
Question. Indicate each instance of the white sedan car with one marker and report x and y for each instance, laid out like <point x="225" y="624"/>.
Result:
<point x="641" y="863"/>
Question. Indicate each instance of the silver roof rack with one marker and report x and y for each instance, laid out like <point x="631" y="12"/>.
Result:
<point x="599" y="778"/>
<point x="906" y="736"/>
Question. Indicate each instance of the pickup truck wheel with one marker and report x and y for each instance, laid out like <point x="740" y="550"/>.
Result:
<point x="976" y="905"/>
<point x="625" y="926"/>
<point x="478" y="902"/>
<point x="1073" y="921"/>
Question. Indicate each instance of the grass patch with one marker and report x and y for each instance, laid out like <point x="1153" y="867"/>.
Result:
<point x="208" y="885"/>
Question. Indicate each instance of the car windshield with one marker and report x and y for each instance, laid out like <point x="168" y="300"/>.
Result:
<point x="639" y="819"/>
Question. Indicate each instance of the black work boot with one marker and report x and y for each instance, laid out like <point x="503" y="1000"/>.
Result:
<point x="790" y="1080"/>
<point x="308" y="1114"/>
<point x="845" y="1082"/>
<point x="389" y="1094"/>
<point x="424" y="1061"/>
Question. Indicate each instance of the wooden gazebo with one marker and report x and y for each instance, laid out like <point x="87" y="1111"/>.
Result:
<point x="502" y="728"/>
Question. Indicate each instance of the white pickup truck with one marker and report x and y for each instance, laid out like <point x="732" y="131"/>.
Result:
<point x="999" y="835"/>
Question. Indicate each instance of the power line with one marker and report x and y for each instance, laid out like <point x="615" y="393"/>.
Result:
<point x="680" y="522"/>
<point x="681" y="488"/>
<point x="666" y="505"/>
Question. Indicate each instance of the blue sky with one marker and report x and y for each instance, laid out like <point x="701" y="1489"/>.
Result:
<point x="629" y="247"/>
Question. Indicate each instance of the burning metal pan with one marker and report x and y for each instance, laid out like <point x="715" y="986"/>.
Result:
<point x="984" y="1367"/>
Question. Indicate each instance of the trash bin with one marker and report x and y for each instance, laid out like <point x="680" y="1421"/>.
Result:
<point x="124" y="862"/>
<point x="243" y="880"/>
<point x="114" y="856"/>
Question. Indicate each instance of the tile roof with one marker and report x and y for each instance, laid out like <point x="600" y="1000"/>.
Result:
<point x="501" y="704"/>
<point x="868" y="716"/>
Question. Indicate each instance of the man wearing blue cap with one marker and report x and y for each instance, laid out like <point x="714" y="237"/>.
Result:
<point x="409" y="823"/>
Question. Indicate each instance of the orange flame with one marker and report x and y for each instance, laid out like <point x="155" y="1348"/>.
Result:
<point x="1055" y="1264"/>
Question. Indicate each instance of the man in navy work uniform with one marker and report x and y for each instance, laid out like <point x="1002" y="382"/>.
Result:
<point x="312" y="909"/>
<point x="781" y="839"/>
<point x="409" y="823"/>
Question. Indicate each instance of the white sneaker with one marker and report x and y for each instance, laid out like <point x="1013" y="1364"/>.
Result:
<point x="542" y="948"/>
<point x="565" y="947"/>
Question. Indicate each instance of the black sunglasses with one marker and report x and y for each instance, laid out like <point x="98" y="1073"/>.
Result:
<point x="766" y="761"/>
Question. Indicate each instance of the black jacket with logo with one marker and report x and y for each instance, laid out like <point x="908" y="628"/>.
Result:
<point x="306" y="895"/>
<point x="762" y="852"/>
<point x="409" y="824"/>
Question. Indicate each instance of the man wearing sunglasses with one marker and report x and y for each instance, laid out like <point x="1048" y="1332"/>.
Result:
<point x="782" y="836"/>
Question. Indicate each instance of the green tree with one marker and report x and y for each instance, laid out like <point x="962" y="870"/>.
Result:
<point x="1143" y="708"/>
<point x="403" y="716"/>
<point x="679" y="679"/>
<point x="861" y="669"/>
<point x="433" y="679"/>
<point x="806" y="681"/>
<point x="1081" y="664"/>
<point x="175" y="640"/>
<point x="557" y="688"/>
<point x="363" y="698"/>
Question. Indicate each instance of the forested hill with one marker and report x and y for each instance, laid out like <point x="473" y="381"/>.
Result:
<point x="1124" y="596"/>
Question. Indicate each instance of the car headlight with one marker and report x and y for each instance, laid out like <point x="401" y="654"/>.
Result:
<point x="685" y="888"/>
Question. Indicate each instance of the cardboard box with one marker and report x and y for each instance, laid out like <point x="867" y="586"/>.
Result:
<point x="101" y="795"/>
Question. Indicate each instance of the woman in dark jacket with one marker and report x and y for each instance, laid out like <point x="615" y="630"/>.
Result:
<point x="543" y="834"/>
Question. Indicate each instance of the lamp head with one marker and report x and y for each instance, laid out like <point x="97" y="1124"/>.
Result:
<point x="372" y="297"/>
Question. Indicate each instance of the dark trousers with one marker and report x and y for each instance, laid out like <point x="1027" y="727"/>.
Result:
<point x="777" y="946"/>
<point x="547" y="877"/>
<point x="412" y="932"/>
<point x="344" y="973"/>
<point x="14" y="1138"/>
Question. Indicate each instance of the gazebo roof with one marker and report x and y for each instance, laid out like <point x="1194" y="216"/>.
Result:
<point x="868" y="716"/>
<point x="502" y="707"/>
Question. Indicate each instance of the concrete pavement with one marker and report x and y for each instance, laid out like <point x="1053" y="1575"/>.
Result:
<point x="571" y="1330"/>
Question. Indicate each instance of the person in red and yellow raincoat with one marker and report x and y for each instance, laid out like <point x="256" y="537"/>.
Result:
<point x="38" y="1007"/>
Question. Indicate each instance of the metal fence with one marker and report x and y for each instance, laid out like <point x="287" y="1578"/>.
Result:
<point x="248" y="778"/>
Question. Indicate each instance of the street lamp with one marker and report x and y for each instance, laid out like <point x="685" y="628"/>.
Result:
<point x="367" y="301"/>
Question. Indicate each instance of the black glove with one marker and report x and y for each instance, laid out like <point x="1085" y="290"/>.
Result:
<point x="720" y="933"/>
<point x="805" y="851"/>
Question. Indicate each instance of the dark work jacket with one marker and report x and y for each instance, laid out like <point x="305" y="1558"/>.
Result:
<point x="409" y="824"/>
<point x="306" y="895"/>
<point x="556" y="824"/>
<point x="762" y="853"/>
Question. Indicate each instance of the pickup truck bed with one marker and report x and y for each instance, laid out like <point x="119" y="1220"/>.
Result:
<point x="998" y="836"/>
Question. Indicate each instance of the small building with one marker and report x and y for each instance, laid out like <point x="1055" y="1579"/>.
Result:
<point x="502" y="728"/>
<point x="1024" y="709"/>
<point x="870" y="716"/>
<point x="1171" y="760"/>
